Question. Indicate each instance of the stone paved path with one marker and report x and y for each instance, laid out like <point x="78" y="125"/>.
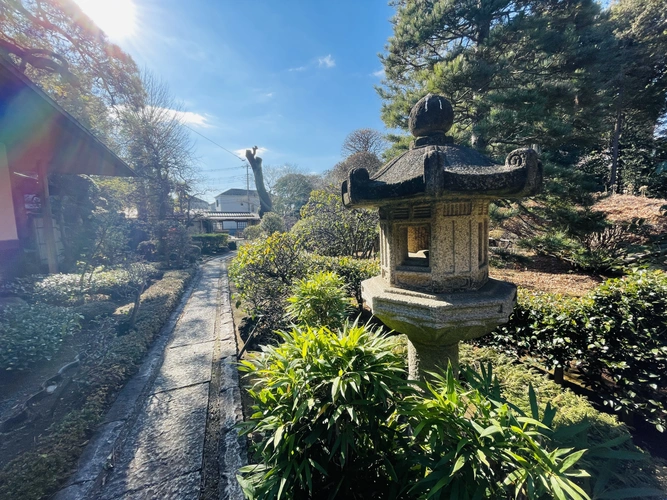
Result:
<point x="170" y="433"/>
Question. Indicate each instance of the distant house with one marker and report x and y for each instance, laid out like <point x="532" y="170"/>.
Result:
<point x="199" y="204"/>
<point x="232" y="223"/>
<point x="237" y="201"/>
<point x="39" y="138"/>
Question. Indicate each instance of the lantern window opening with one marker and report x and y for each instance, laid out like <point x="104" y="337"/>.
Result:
<point x="415" y="245"/>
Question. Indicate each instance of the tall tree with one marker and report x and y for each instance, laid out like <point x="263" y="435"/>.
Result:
<point x="517" y="72"/>
<point x="638" y="73"/>
<point x="154" y="140"/>
<point x="62" y="50"/>
<point x="291" y="192"/>
<point x="364" y="140"/>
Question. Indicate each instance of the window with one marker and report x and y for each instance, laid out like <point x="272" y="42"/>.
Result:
<point x="415" y="245"/>
<point x="242" y="224"/>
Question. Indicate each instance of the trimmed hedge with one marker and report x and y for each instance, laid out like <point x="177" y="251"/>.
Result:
<point x="211" y="243"/>
<point x="67" y="289"/>
<point x="38" y="473"/>
<point x="616" y="336"/>
<point x="31" y="333"/>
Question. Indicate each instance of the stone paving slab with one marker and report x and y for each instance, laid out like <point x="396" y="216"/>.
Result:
<point x="184" y="366"/>
<point x="166" y="443"/>
<point x="182" y="488"/>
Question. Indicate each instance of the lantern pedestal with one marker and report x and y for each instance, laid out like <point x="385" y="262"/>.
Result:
<point x="436" y="323"/>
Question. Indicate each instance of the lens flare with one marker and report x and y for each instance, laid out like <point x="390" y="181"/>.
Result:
<point x="117" y="18"/>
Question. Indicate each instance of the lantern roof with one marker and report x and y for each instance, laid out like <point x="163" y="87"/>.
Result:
<point x="436" y="168"/>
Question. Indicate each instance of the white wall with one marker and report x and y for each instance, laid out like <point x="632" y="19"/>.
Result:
<point x="236" y="203"/>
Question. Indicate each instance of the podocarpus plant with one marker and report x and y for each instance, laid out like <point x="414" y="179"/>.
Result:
<point x="319" y="300"/>
<point x="334" y="417"/>
<point x="324" y="415"/>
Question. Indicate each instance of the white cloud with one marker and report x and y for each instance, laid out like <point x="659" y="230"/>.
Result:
<point x="379" y="73"/>
<point x="269" y="95"/>
<point x="241" y="152"/>
<point x="326" y="61"/>
<point x="190" y="118"/>
<point x="300" y="68"/>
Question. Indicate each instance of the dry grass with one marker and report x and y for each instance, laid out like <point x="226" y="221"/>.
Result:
<point x="567" y="284"/>
<point x="624" y="208"/>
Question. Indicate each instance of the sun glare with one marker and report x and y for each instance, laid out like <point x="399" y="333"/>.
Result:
<point x="117" y="18"/>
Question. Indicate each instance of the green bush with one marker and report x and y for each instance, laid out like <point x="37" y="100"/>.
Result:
<point x="547" y="326"/>
<point x="618" y="334"/>
<point x="253" y="232"/>
<point x="92" y="310"/>
<point x="629" y="345"/>
<point x="353" y="271"/>
<point x="211" y="243"/>
<point x="334" y="417"/>
<point x="325" y="412"/>
<point x="31" y="333"/>
<point x="263" y="273"/>
<point x="319" y="300"/>
<point x="272" y="223"/>
<point x="72" y="289"/>
<point x="232" y="245"/>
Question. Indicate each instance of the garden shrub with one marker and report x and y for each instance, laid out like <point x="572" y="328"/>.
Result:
<point x="211" y="243"/>
<point x="617" y="335"/>
<point x="324" y="408"/>
<point x="263" y="273"/>
<point x="334" y="417"/>
<point x="353" y="271"/>
<point x="629" y="345"/>
<point x="614" y="462"/>
<point x="547" y="326"/>
<point x="31" y="333"/>
<point x="232" y="245"/>
<point x="272" y="223"/>
<point x="92" y="310"/>
<point x="71" y="289"/>
<point x="253" y="232"/>
<point x="319" y="300"/>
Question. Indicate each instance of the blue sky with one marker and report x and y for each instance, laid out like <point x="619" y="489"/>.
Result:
<point x="293" y="77"/>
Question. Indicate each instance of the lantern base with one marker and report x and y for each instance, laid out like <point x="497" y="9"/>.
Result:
<point x="436" y="323"/>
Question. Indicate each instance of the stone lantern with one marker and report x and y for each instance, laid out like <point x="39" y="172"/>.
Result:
<point x="434" y="231"/>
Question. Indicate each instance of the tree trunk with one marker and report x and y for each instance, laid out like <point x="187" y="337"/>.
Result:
<point x="256" y="165"/>
<point x="618" y="127"/>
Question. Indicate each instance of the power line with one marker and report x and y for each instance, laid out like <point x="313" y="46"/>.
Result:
<point x="213" y="142"/>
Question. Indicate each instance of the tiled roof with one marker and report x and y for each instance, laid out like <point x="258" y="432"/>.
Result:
<point x="230" y="215"/>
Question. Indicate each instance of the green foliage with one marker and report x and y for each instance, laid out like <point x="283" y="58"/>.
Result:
<point x="472" y="444"/>
<point x="546" y="326"/>
<point x="92" y="310"/>
<point x="69" y="289"/>
<point x="615" y="464"/>
<point x="211" y="243"/>
<point x="629" y="344"/>
<point x="319" y="300"/>
<point x="291" y="192"/>
<point x="324" y="409"/>
<point x="31" y="333"/>
<point x="253" y="232"/>
<point x="616" y="334"/>
<point x="353" y="271"/>
<point x="335" y="418"/>
<point x="263" y="273"/>
<point x="272" y="223"/>
<point x="39" y="473"/>
<point x="173" y="244"/>
<point x="328" y="228"/>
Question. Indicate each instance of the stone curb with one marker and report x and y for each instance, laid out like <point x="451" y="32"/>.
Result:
<point x="120" y="419"/>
